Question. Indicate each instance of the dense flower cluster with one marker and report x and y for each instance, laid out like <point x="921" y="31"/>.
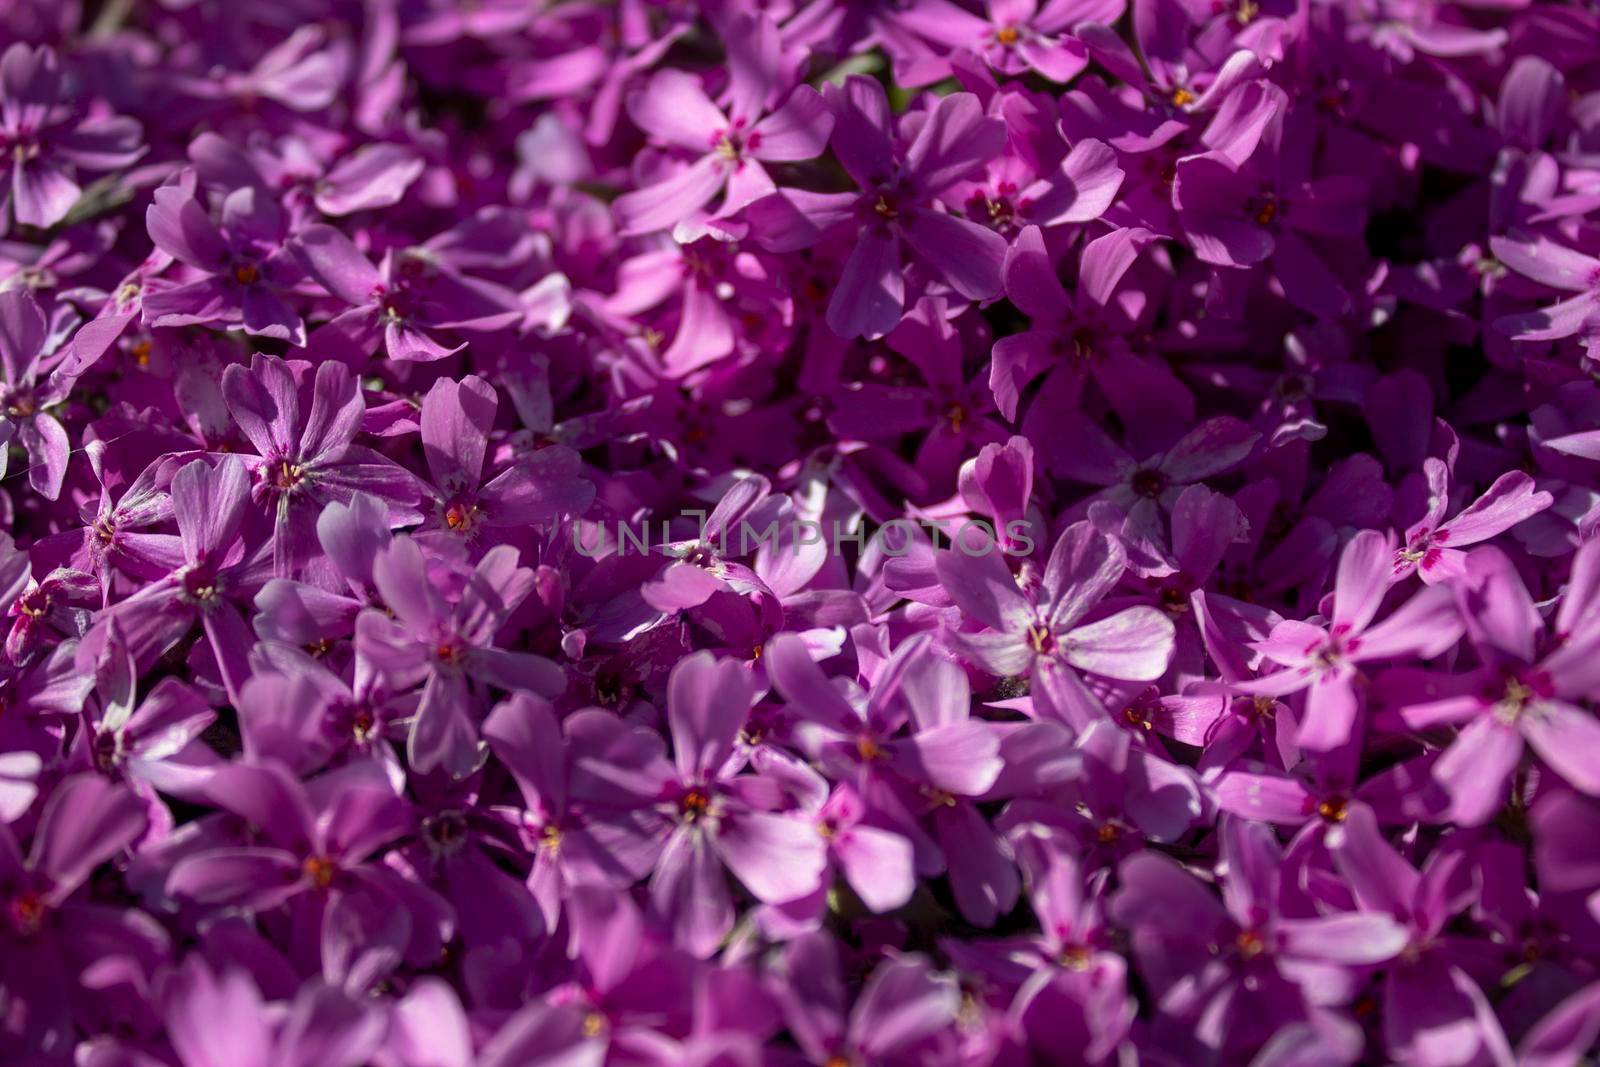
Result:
<point x="863" y="533"/>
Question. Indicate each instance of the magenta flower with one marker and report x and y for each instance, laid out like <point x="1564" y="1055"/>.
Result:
<point x="1325" y="660"/>
<point x="728" y="147"/>
<point x="404" y="303"/>
<point x="868" y="533"/>
<point x="570" y="848"/>
<point x="1238" y="217"/>
<point x="23" y="409"/>
<point x="1018" y="35"/>
<point x="1048" y="635"/>
<point x="1433" y="543"/>
<point x="373" y="176"/>
<point x="1078" y="335"/>
<point x="308" y="842"/>
<point x="1141" y="490"/>
<point x="449" y="646"/>
<point x="895" y="205"/>
<point x="710" y="817"/>
<point x="302" y="469"/>
<point x="217" y="1019"/>
<point x="47" y="139"/>
<point x="245" y="268"/>
<point x="1555" y="266"/>
<point x="904" y="1006"/>
<point x="51" y="933"/>
<point x="218" y="573"/>
<point x="545" y="485"/>
<point x="1528" y="691"/>
<point x="1246" y="946"/>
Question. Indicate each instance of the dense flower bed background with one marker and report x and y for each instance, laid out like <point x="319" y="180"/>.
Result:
<point x="1170" y="432"/>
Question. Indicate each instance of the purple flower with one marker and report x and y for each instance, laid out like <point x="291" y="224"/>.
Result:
<point x="24" y="412"/>
<point x="373" y="176"/>
<point x="449" y="646"/>
<point x="302" y="469"/>
<point x="1077" y="335"/>
<point x="1526" y="692"/>
<point x="51" y="932"/>
<point x="845" y="532"/>
<point x="1325" y="660"/>
<point x="902" y="1008"/>
<point x="246" y="270"/>
<point x="216" y="575"/>
<point x="456" y="421"/>
<point x="1237" y="217"/>
<point x="710" y="817"/>
<point x="1555" y="266"/>
<point x="728" y="147"/>
<point x="569" y="848"/>
<point x="1143" y="489"/>
<point x="403" y="304"/>
<point x="215" y="1019"/>
<point x="1225" y="968"/>
<point x="1044" y="635"/>
<point x="1018" y="35"/>
<point x="46" y="138"/>
<point x="1432" y="547"/>
<point x="896" y="204"/>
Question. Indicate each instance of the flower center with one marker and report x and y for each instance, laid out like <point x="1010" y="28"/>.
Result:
<point x="694" y="804"/>
<point x="1149" y="482"/>
<point x="1250" y="944"/>
<point x="21" y="404"/>
<point x="200" y="586"/>
<point x="1334" y="809"/>
<point x="246" y="274"/>
<point x="460" y="517"/>
<point x="105" y="752"/>
<point x="1007" y="35"/>
<point x="868" y="749"/>
<point x="1040" y="639"/>
<point x="1075" y="957"/>
<point x="1182" y="97"/>
<point x="1330" y="654"/>
<point x="319" y="871"/>
<point x="885" y="208"/>
<point x="1082" y="345"/>
<point x="1514" y="700"/>
<point x="445" y="831"/>
<point x="449" y="653"/>
<point x="286" y="475"/>
<point x="703" y="556"/>
<point x="27" y="912"/>
<point x="34" y="603"/>
<point x="1263" y="208"/>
